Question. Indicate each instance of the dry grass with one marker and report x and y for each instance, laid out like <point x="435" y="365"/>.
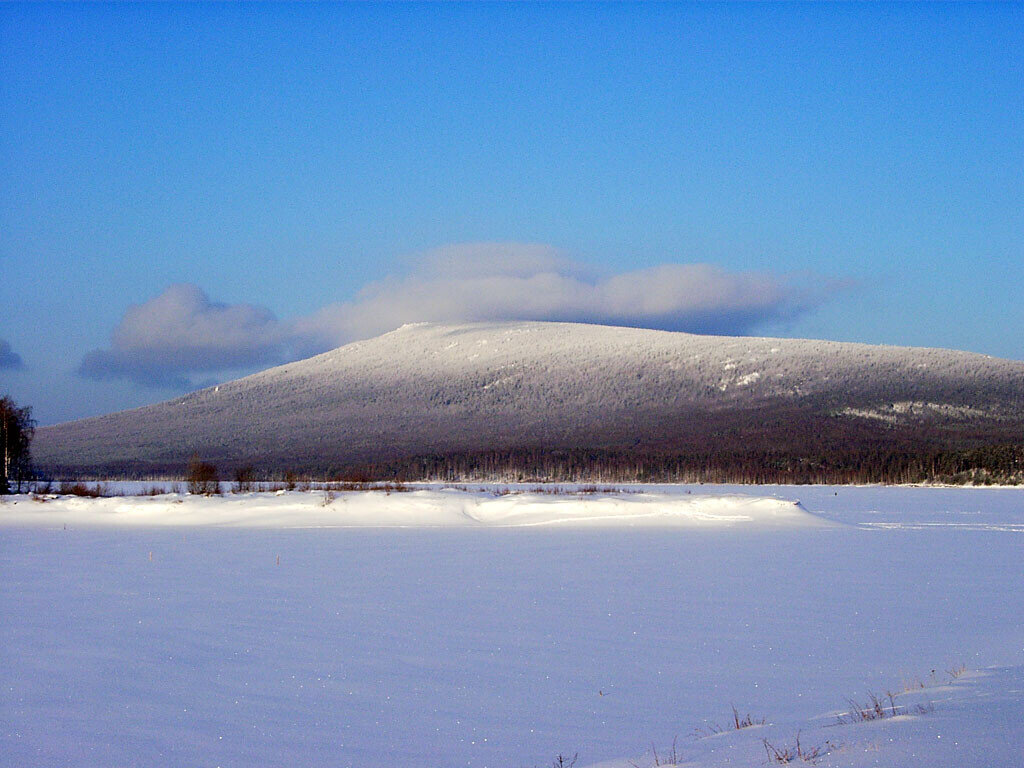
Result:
<point x="909" y="684"/>
<point x="386" y="487"/>
<point x="97" y="490"/>
<point x="881" y="707"/>
<point x="956" y="671"/>
<point x="873" y="709"/>
<point x="746" y="721"/>
<point x="334" y="486"/>
<point x="202" y="479"/>
<point x="671" y="757"/>
<point x="738" y="723"/>
<point x="559" y="490"/>
<point x="783" y="755"/>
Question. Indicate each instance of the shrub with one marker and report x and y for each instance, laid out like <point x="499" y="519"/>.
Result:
<point x="245" y="479"/>
<point x="81" y="489"/>
<point x="202" y="478"/>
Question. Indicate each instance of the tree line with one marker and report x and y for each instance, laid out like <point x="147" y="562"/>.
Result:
<point x="996" y="464"/>
<point x="1001" y="464"/>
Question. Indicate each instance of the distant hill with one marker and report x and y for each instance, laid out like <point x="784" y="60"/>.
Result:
<point x="536" y="399"/>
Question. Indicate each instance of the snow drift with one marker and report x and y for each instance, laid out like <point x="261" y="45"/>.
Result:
<point x="419" y="508"/>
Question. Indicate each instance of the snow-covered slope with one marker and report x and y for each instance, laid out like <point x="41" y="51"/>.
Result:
<point x="431" y="389"/>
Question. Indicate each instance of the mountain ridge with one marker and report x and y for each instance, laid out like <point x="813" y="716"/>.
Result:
<point x="431" y="389"/>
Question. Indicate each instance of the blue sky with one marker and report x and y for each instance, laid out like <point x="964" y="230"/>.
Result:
<point x="195" y="192"/>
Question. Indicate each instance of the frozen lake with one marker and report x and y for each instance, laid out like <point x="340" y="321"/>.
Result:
<point x="494" y="647"/>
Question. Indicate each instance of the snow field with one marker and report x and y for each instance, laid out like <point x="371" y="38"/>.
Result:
<point x="493" y="645"/>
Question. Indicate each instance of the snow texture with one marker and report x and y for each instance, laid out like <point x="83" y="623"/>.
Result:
<point x="485" y="645"/>
<point x="938" y="721"/>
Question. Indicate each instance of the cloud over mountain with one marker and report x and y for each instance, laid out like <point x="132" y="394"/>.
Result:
<point x="514" y="281"/>
<point x="182" y="332"/>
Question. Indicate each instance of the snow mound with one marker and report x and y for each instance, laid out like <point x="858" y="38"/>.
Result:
<point x="447" y="508"/>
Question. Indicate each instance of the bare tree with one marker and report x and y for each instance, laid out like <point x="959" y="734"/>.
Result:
<point x="245" y="479"/>
<point x="16" y="430"/>
<point x="202" y="477"/>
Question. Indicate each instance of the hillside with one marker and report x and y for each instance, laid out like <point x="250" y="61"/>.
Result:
<point x="472" y="398"/>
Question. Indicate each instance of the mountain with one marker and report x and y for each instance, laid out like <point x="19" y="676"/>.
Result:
<point x="487" y="396"/>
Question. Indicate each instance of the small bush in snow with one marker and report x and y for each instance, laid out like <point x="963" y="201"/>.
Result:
<point x="245" y="480"/>
<point x="874" y="709"/>
<point x="81" y="489"/>
<point x="202" y="478"/>
<point x="797" y="753"/>
<point x="744" y="722"/>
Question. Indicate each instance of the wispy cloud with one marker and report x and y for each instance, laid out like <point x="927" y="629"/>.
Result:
<point x="181" y="332"/>
<point x="9" y="359"/>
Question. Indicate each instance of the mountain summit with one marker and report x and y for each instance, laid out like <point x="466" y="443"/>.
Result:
<point x="428" y="396"/>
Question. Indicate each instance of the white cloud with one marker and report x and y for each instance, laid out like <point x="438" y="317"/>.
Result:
<point x="500" y="281"/>
<point x="182" y="332"/>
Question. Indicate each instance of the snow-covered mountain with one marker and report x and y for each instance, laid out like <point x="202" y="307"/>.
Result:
<point x="430" y="390"/>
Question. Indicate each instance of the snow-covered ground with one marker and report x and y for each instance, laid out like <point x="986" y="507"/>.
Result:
<point x="947" y="719"/>
<point x="232" y="638"/>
